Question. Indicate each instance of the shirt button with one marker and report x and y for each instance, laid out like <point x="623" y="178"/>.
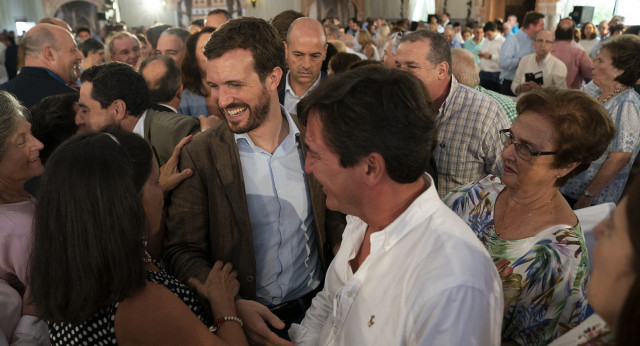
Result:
<point x="349" y="294"/>
<point x="387" y="244"/>
<point x="282" y="222"/>
<point x="250" y="278"/>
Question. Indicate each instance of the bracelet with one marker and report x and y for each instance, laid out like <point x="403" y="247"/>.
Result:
<point x="222" y="320"/>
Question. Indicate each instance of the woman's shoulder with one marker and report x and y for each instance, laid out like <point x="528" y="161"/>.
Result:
<point x="489" y="185"/>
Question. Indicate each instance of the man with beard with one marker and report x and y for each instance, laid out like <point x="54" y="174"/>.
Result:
<point x="306" y="49"/>
<point x="249" y="201"/>
<point x="51" y="56"/>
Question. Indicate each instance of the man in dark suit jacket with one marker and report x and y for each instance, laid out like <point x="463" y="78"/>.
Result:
<point x="249" y="201"/>
<point x="164" y="81"/>
<point x="114" y="93"/>
<point x="50" y="57"/>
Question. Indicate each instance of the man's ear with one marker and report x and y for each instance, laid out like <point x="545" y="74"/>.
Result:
<point x="48" y="53"/>
<point x="179" y="92"/>
<point x="118" y="110"/>
<point x="443" y="70"/>
<point x="374" y="168"/>
<point x="273" y="79"/>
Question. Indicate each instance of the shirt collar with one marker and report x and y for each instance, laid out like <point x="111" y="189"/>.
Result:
<point x="139" y="128"/>
<point x="51" y="73"/>
<point x="289" y="89"/>
<point x="244" y="141"/>
<point x="449" y="99"/>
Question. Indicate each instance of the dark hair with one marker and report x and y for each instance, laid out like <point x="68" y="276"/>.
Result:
<point x="582" y="127"/>
<point x="490" y="26"/>
<point x="624" y="56"/>
<point x="627" y="332"/>
<point x="282" y="21"/>
<point x="331" y="51"/>
<point x="90" y="45"/>
<point x="593" y="35"/>
<point x="616" y="28"/>
<point x="139" y="151"/>
<point x="564" y="32"/>
<point x="53" y="121"/>
<point x="363" y="63"/>
<point x="632" y="30"/>
<point x="375" y="109"/>
<point x="165" y="88"/>
<point x="198" y="22"/>
<point x="89" y="224"/>
<point x="153" y="33"/>
<point x="218" y="11"/>
<point x="341" y="61"/>
<point x="439" y="48"/>
<point x="191" y="75"/>
<point x="254" y="35"/>
<point x="118" y="81"/>
<point x="499" y="25"/>
<point x="531" y="17"/>
<point x="83" y="29"/>
<point x="333" y="29"/>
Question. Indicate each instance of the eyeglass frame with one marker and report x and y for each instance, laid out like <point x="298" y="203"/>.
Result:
<point x="506" y="134"/>
<point x="543" y="41"/>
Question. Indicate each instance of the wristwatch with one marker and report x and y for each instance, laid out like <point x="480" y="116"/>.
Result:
<point x="587" y="194"/>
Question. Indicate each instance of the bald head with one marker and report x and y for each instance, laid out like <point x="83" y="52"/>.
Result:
<point x="464" y="67"/>
<point x="52" y="47"/>
<point x="55" y="21"/>
<point x="543" y="44"/>
<point x="306" y="49"/>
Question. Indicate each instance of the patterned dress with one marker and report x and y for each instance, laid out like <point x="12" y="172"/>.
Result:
<point x="100" y="328"/>
<point x="624" y="111"/>
<point x="543" y="277"/>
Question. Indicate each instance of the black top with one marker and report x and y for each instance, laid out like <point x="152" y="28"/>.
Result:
<point x="33" y="84"/>
<point x="100" y="329"/>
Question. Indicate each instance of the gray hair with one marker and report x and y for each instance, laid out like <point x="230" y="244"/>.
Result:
<point x="110" y="49"/>
<point x="40" y="37"/>
<point x="439" y="48"/>
<point x="180" y="32"/>
<point x="11" y="114"/>
<point x="464" y="67"/>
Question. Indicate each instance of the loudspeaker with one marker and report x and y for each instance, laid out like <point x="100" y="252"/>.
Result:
<point x="582" y="14"/>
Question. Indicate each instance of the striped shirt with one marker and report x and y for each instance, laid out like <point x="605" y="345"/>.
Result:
<point x="469" y="144"/>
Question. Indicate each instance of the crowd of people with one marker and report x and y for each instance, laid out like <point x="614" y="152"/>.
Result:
<point x="299" y="182"/>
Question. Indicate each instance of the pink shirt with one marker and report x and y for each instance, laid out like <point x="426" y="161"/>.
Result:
<point x="579" y="65"/>
<point x="16" y="237"/>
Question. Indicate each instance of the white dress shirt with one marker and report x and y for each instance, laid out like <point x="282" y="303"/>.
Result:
<point x="492" y="47"/>
<point x="554" y="72"/>
<point x="427" y="281"/>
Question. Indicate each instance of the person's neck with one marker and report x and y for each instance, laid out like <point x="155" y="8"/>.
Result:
<point x="272" y="131"/>
<point x="443" y="92"/>
<point x="529" y="33"/>
<point x="13" y="192"/>
<point x="85" y="64"/>
<point x="389" y="200"/>
<point x="477" y="40"/>
<point x="129" y="122"/>
<point x="528" y="199"/>
<point x="300" y="88"/>
<point x="540" y="58"/>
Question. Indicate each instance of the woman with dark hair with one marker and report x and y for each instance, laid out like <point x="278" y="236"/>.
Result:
<point x="92" y="275"/>
<point x="588" y="38"/>
<point x="616" y="69"/>
<point x="530" y="231"/>
<point x="196" y="98"/>
<point x="614" y="288"/>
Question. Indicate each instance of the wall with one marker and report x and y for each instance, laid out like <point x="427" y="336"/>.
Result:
<point x="266" y="9"/>
<point x="12" y="10"/>
<point x="135" y="13"/>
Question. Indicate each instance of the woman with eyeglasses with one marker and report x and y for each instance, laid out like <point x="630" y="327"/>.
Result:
<point x="524" y="222"/>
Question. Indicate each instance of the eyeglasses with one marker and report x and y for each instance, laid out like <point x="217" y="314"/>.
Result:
<point x="544" y="41"/>
<point x="523" y="150"/>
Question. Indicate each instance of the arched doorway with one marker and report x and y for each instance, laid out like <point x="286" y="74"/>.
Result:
<point x="79" y="13"/>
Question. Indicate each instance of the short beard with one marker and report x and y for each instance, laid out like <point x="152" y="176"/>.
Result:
<point x="257" y="114"/>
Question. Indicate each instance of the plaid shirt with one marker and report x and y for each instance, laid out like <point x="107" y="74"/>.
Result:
<point x="507" y="102"/>
<point x="469" y="144"/>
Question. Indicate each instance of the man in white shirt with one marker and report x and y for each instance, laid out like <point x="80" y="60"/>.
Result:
<point x="489" y="55"/>
<point x="306" y="49"/>
<point x="540" y="69"/>
<point x="409" y="271"/>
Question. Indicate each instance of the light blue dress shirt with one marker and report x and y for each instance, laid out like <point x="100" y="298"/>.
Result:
<point x="290" y="97"/>
<point x="474" y="48"/>
<point x="287" y="262"/>
<point x="514" y="48"/>
<point x="193" y="104"/>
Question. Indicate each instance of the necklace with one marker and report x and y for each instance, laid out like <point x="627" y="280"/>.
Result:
<point x="618" y="90"/>
<point x="535" y="210"/>
<point x="147" y="257"/>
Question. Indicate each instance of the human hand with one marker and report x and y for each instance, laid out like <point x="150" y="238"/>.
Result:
<point x="220" y="287"/>
<point x="583" y="202"/>
<point x="28" y="306"/>
<point x="170" y="177"/>
<point x="208" y="122"/>
<point x="254" y="315"/>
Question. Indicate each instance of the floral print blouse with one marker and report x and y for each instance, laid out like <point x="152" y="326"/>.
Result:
<point x="544" y="277"/>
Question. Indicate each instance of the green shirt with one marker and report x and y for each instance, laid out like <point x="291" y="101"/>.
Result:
<point x="508" y="103"/>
